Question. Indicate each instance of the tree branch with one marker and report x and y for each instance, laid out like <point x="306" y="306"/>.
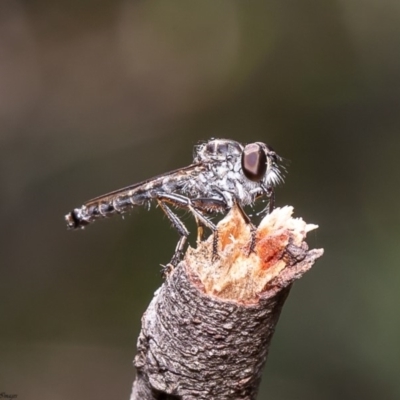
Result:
<point x="207" y="331"/>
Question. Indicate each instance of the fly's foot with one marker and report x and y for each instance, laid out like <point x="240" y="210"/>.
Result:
<point x="176" y="259"/>
<point x="166" y="270"/>
<point x="215" y="257"/>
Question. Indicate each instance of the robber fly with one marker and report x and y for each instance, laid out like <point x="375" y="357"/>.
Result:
<point x="223" y="173"/>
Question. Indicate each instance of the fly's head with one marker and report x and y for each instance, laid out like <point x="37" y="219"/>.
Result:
<point x="257" y="161"/>
<point x="260" y="164"/>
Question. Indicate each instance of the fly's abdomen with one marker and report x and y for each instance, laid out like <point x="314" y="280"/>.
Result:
<point x="103" y="208"/>
<point x="183" y="181"/>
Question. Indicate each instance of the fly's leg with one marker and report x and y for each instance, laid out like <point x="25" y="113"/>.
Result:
<point x="270" y="193"/>
<point x="209" y="205"/>
<point x="183" y="232"/>
<point x="186" y="203"/>
<point x="200" y="231"/>
<point x="271" y="196"/>
<point x="204" y="221"/>
<point x="253" y="229"/>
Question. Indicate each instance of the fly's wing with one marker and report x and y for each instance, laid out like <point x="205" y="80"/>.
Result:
<point x="122" y="200"/>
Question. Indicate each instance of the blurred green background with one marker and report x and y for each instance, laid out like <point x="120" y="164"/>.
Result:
<point x="96" y="95"/>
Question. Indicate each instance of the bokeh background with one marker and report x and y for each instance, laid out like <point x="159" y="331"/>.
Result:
<point x="96" y="95"/>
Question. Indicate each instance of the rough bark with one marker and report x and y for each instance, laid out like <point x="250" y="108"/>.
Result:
<point x="207" y="331"/>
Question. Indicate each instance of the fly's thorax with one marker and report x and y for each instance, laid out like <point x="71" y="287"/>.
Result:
<point x="217" y="150"/>
<point x="224" y="180"/>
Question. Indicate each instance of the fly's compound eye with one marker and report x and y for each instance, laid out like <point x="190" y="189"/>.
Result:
<point x="254" y="162"/>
